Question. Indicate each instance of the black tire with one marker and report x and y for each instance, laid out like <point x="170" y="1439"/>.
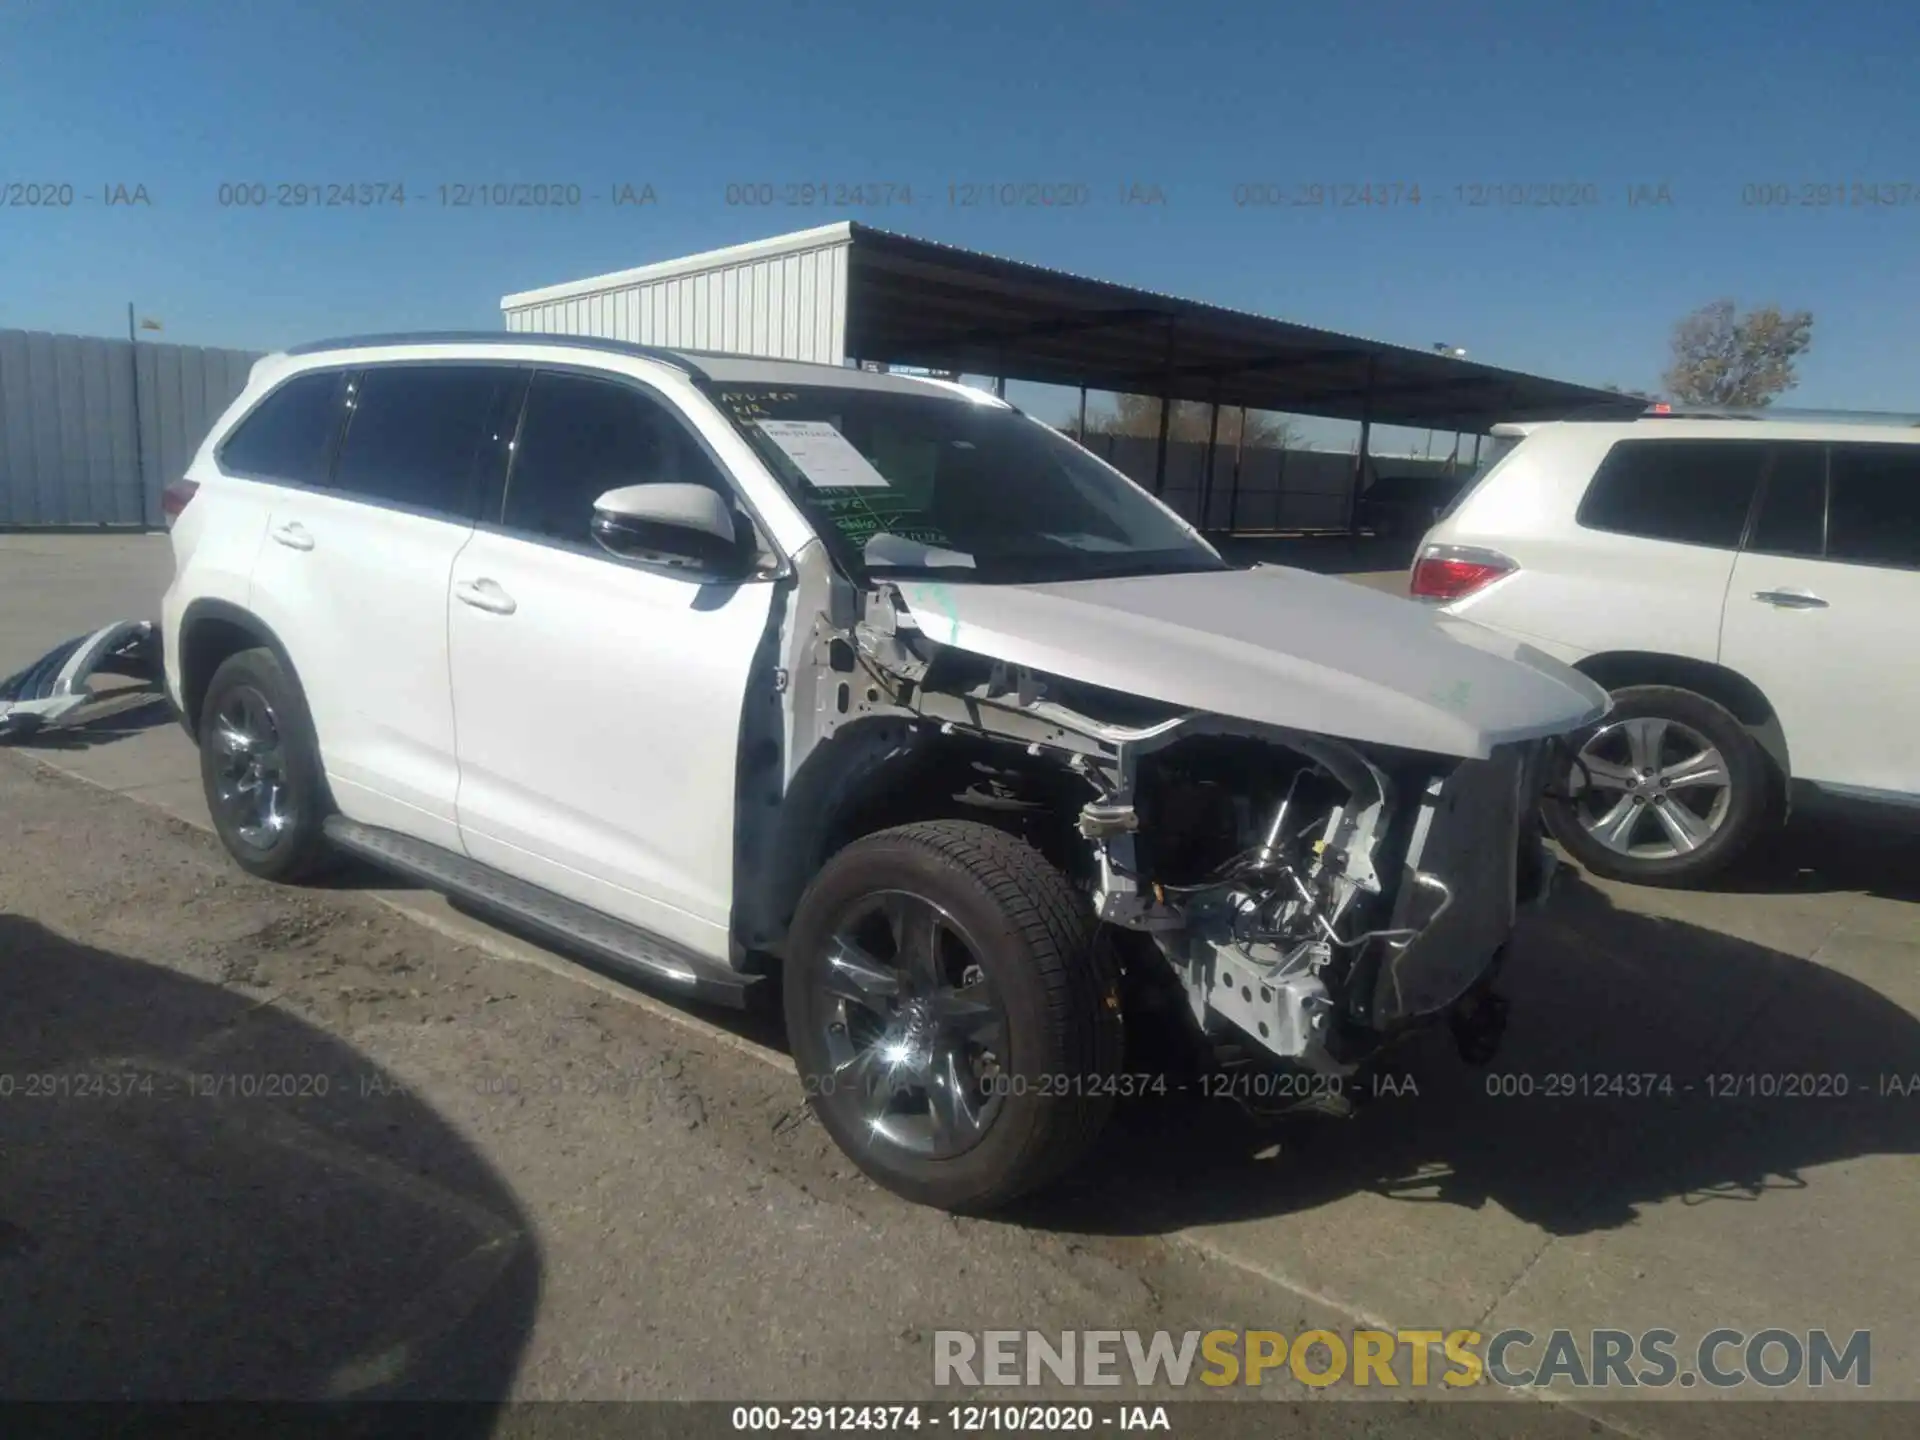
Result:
<point x="1749" y="811"/>
<point x="296" y="849"/>
<point x="1032" y="935"/>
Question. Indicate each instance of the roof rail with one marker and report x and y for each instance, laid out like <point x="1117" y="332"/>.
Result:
<point x="503" y="337"/>
<point x="1783" y="414"/>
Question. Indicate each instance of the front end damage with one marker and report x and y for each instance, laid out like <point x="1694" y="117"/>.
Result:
<point x="1303" y="898"/>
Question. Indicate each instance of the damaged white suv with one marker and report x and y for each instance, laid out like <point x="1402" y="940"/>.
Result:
<point x="718" y="668"/>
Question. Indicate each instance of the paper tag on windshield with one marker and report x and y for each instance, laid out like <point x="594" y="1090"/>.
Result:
<point x="822" y="454"/>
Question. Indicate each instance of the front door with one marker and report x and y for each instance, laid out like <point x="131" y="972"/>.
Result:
<point x="598" y="701"/>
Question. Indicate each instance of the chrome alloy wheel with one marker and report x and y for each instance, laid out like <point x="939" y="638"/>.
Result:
<point x="250" y="785"/>
<point x="915" y="1035"/>
<point x="1650" y="788"/>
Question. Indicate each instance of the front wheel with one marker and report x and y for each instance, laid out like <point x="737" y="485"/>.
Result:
<point x="1669" y="789"/>
<point x="955" y="1027"/>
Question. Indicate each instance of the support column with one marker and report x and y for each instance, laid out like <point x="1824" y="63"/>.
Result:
<point x="1233" y="495"/>
<point x="1360" y="457"/>
<point x="1166" y="419"/>
<point x="1206" y="475"/>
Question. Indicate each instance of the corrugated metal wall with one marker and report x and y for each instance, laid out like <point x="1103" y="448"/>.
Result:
<point x="67" y="424"/>
<point x="784" y="307"/>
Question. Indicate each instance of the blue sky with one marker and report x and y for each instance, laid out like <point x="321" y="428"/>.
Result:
<point x="1707" y="99"/>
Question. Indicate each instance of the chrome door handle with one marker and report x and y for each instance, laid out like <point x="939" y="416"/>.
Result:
<point x="484" y="595"/>
<point x="293" y="535"/>
<point x="1791" y="599"/>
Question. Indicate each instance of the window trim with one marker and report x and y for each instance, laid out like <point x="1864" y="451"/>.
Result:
<point x="1733" y="547"/>
<point x="493" y="521"/>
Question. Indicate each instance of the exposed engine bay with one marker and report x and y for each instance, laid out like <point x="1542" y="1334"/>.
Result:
<point x="1307" y="896"/>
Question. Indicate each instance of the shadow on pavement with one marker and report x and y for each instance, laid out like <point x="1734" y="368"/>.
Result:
<point x="1544" y="1132"/>
<point x="1870" y="852"/>
<point x="202" y="1197"/>
<point x="120" y="714"/>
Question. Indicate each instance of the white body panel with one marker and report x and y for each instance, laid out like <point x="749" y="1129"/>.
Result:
<point x="599" y="728"/>
<point x="215" y="543"/>
<point x="1843" y="678"/>
<point x="783" y="299"/>
<point x="1578" y="591"/>
<point x="363" y="614"/>
<point x="1275" y="646"/>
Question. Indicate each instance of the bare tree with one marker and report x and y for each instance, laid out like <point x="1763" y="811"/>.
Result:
<point x="1140" y="415"/>
<point x="1721" y="357"/>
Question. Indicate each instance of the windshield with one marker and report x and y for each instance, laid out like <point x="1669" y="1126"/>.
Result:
<point x="923" y="485"/>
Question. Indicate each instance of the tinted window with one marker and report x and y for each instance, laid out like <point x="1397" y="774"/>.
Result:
<point x="288" y="436"/>
<point x="418" y="435"/>
<point x="1873" y="515"/>
<point x="1693" y="491"/>
<point x="581" y="438"/>
<point x="1793" y="504"/>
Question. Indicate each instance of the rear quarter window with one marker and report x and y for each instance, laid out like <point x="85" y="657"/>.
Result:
<point x="289" y="435"/>
<point x="1691" y="492"/>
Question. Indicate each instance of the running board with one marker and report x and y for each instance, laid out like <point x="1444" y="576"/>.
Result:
<point x="627" y="948"/>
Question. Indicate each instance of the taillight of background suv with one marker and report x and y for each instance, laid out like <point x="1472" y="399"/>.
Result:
<point x="175" y="498"/>
<point x="1443" y="573"/>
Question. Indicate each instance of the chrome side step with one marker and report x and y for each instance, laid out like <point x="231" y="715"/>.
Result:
<point x="627" y="948"/>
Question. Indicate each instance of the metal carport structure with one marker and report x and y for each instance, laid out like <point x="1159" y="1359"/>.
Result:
<point x="849" y="292"/>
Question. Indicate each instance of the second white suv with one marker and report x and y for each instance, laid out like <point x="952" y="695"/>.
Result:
<point x="1747" y="589"/>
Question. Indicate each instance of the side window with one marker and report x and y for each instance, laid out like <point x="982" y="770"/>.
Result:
<point x="420" y="436"/>
<point x="580" y="438"/>
<point x="1873" y="516"/>
<point x="1793" y="503"/>
<point x="1696" y="492"/>
<point x="289" y="433"/>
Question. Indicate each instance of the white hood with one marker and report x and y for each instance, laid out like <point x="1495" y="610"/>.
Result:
<point x="1274" y="646"/>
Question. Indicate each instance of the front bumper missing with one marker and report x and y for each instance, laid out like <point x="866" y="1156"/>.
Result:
<point x="53" y="691"/>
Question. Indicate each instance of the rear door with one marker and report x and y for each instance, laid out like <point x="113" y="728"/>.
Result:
<point x="354" y="578"/>
<point x="1824" y="607"/>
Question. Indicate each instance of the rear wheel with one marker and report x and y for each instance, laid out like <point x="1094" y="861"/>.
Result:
<point x="1669" y="789"/>
<point x="954" y="1026"/>
<point x="260" y="768"/>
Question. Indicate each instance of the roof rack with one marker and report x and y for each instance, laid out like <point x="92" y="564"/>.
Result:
<point x="675" y="358"/>
<point x="1783" y="414"/>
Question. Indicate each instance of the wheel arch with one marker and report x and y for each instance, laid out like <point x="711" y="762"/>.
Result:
<point x="1616" y="669"/>
<point x="210" y="632"/>
<point x="873" y="775"/>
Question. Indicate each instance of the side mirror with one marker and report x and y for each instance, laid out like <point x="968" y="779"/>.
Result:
<point x="686" y="528"/>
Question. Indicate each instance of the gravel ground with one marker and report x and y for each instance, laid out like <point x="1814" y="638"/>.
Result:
<point x="271" y="1142"/>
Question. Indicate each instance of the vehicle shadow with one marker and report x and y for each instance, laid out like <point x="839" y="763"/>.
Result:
<point x="1872" y="852"/>
<point x="1544" y="1131"/>
<point x="118" y="714"/>
<point x="175" y="1227"/>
